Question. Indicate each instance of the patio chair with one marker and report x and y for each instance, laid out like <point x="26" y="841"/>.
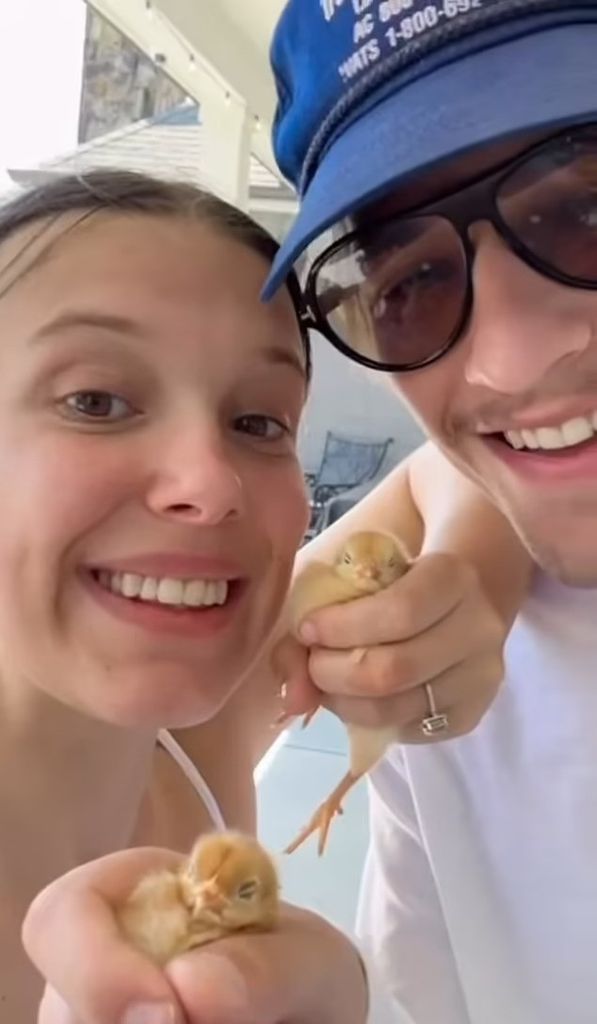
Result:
<point x="347" y="462"/>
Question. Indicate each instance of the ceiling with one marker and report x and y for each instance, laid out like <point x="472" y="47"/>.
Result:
<point x="205" y="42"/>
<point x="256" y="19"/>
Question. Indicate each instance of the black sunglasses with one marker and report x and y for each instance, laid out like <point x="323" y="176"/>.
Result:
<point x="396" y="294"/>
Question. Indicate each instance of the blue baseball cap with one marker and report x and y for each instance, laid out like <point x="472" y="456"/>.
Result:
<point x="373" y="92"/>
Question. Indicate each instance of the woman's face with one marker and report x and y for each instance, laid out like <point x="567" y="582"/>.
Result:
<point x="152" y="501"/>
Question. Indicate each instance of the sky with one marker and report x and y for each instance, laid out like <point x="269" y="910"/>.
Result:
<point x="41" y="58"/>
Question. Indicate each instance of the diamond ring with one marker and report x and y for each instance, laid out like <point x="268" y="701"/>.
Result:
<point x="434" y="722"/>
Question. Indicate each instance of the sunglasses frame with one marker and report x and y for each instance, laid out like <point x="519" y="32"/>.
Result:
<point x="473" y="202"/>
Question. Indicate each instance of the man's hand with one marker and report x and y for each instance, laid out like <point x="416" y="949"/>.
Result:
<point x="305" y="972"/>
<point x="434" y="625"/>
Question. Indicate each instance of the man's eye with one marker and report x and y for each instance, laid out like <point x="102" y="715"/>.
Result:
<point x="97" y="405"/>
<point x="410" y="286"/>
<point x="257" y="425"/>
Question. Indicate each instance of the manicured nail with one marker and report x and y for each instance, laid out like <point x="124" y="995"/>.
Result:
<point x="308" y="633"/>
<point x="280" y="719"/>
<point x="284" y="715"/>
<point x="150" y="1013"/>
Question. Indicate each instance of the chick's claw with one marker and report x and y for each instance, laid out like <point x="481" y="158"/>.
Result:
<point x="368" y="561"/>
<point x="320" y="822"/>
<point x="322" y="819"/>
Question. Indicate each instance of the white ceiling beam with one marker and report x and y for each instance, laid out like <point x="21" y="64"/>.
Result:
<point x="231" y="52"/>
<point x="232" y="55"/>
<point x="224" y="55"/>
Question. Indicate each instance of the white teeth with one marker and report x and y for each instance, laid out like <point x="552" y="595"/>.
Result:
<point x="131" y="584"/>
<point x="549" y="438"/>
<point x="515" y="438"/>
<point x="149" y="589"/>
<point x="194" y="593"/>
<point x="578" y="430"/>
<point x="168" y="591"/>
<point x="529" y="438"/>
<point x="570" y="433"/>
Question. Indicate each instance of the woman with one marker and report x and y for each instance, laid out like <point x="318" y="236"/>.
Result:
<point x="153" y="504"/>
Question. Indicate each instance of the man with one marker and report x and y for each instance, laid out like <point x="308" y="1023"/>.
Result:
<point x="480" y="895"/>
<point x="461" y="141"/>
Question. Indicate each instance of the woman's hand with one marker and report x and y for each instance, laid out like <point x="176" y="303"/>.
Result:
<point x="434" y="626"/>
<point x="305" y="971"/>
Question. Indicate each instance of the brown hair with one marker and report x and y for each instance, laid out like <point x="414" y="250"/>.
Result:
<point x="130" y="192"/>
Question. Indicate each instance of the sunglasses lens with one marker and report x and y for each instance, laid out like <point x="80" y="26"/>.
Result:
<point x="549" y="204"/>
<point x="396" y="295"/>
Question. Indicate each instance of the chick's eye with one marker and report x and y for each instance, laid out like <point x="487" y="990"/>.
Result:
<point x="247" y="890"/>
<point x="347" y="559"/>
<point x="267" y="428"/>
<point x="97" y="405"/>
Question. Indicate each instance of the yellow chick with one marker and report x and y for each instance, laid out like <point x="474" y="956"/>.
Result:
<point x="367" y="562"/>
<point x="229" y="883"/>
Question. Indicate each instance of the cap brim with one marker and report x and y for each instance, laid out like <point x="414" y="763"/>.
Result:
<point x="542" y="80"/>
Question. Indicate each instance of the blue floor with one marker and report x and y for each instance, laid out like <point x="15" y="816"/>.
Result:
<point x="305" y="770"/>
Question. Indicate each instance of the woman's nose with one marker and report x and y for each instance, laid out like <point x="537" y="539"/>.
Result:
<point x="196" y="480"/>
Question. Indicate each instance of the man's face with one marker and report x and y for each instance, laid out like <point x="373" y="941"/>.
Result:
<point x="526" y="363"/>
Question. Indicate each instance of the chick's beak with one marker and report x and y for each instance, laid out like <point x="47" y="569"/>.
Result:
<point x="211" y="897"/>
<point x="367" y="572"/>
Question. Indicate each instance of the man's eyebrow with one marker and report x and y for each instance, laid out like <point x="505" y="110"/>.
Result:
<point x="76" y="319"/>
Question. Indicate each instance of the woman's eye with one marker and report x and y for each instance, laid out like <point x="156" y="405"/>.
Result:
<point x="257" y="425"/>
<point x="97" y="405"/>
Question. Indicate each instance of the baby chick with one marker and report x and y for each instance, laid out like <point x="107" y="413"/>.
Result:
<point x="228" y="883"/>
<point x="367" y="562"/>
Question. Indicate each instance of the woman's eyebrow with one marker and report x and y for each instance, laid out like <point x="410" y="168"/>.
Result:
<point x="276" y="354"/>
<point x="75" y="319"/>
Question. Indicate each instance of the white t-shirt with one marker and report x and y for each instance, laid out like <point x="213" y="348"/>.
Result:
<point x="479" y="901"/>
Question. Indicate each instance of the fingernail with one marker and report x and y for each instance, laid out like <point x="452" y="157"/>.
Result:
<point x="284" y="715"/>
<point x="280" y="719"/>
<point x="308" y="633"/>
<point x="150" y="1013"/>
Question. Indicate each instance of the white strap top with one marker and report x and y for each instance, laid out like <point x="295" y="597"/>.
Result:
<point x="167" y="741"/>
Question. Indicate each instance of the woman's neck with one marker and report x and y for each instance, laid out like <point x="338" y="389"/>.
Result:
<point x="69" y="785"/>
<point x="70" y="789"/>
